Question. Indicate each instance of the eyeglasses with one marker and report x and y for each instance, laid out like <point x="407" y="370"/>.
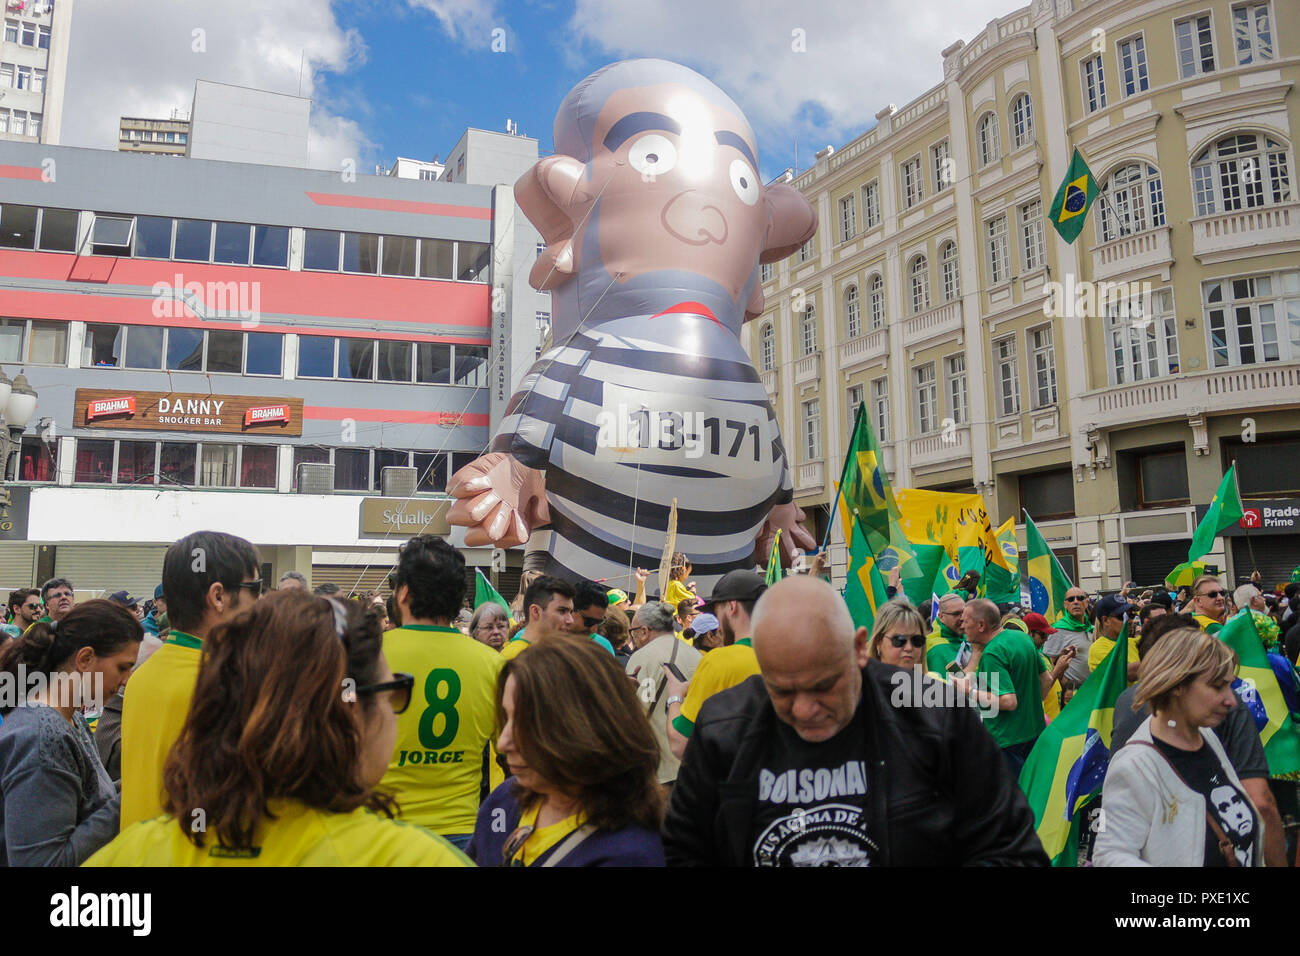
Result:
<point x="400" y="685"/>
<point x="1213" y="594"/>
<point x="55" y="595"/>
<point x="32" y="607"/>
<point x="254" y="586"/>
<point x="634" y="630"/>
<point x="1076" y="598"/>
<point x="514" y="843"/>
<point x="899" y="640"/>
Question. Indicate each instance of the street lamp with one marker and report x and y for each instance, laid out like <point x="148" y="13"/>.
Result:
<point x="17" y="406"/>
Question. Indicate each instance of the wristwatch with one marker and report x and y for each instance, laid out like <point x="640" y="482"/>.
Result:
<point x="673" y="700"/>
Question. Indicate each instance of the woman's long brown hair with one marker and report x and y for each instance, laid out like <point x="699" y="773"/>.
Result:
<point x="270" y="720"/>
<point x="579" y="724"/>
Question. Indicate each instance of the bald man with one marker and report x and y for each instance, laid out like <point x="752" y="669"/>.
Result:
<point x="826" y="759"/>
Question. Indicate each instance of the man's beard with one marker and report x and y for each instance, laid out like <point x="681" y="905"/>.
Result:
<point x="724" y="625"/>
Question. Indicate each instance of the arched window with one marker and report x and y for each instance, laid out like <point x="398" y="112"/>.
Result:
<point x="988" y="147"/>
<point x="1132" y="201"/>
<point x="1240" y="172"/>
<point x="920" y="277"/>
<point x="948" y="264"/>
<point x="1022" y="121"/>
<point x="877" y="302"/>
<point x="852" y="314"/>
<point x="809" y="328"/>
<point x="769" y="348"/>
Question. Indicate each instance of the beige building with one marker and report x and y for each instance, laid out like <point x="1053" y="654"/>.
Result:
<point x="168" y="137"/>
<point x="1106" y="385"/>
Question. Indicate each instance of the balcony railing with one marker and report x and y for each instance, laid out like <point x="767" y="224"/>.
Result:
<point x="927" y="325"/>
<point x="1131" y="253"/>
<point x="863" y="348"/>
<point x="1229" y="389"/>
<point x="1261" y="231"/>
<point x="808" y="369"/>
<point x="769" y="380"/>
<point x="810" y="477"/>
<point x="941" y="448"/>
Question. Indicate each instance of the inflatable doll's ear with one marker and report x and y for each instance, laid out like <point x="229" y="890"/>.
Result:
<point x="554" y="195"/>
<point x="791" y="221"/>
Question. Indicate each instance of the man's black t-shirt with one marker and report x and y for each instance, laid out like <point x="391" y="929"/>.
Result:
<point x="812" y="801"/>
<point x="1203" y="773"/>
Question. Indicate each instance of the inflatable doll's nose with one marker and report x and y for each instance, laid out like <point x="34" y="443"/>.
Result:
<point x="688" y="217"/>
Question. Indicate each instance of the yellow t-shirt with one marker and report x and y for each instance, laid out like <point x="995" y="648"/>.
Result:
<point x="1052" y="702"/>
<point x="676" y="592"/>
<point x="719" y="669"/>
<point x="437" y="765"/>
<point x="154" y="707"/>
<point x="543" y="838"/>
<point x="1101" y="647"/>
<point x="514" y="647"/>
<point x="298" y="836"/>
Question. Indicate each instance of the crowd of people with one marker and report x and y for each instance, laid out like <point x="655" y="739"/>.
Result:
<point x="218" y="725"/>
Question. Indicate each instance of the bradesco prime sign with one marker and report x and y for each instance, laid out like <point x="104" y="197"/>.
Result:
<point x="1263" y="516"/>
<point x="187" y="412"/>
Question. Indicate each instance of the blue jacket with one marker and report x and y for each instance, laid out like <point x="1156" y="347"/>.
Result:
<point x="632" y="845"/>
<point x="150" y="624"/>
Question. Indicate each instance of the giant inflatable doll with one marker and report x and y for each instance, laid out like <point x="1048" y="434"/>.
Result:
<point x="655" y="222"/>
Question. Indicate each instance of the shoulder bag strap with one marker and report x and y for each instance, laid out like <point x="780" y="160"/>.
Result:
<point x="663" y="680"/>
<point x="569" y="844"/>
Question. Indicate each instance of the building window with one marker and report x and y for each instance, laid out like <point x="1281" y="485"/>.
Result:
<point x="1195" y="42"/>
<point x="28" y="34"/>
<point x="23" y="78"/>
<point x="919" y="275"/>
<point x="432" y="363"/>
<point x="1162" y="479"/>
<point x="1094" y="85"/>
<point x="1252" y="33"/>
<point x="1022" y="121"/>
<point x="769" y="348"/>
<point x="954" y="373"/>
<point x="1239" y="172"/>
<point x="271" y="246"/>
<point x="360" y="253"/>
<point x="1031" y="235"/>
<point x="852" y="313"/>
<point x="43" y="37"/>
<point x="1048" y="495"/>
<point x="808" y="249"/>
<point x="766" y="272"/>
<point x="1133" y="65"/>
<point x="193" y="240"/>
<point x="39" y="461"/>
<point x="948" y="266"/>
<point x="438" y="258"/>
<point x="927" y="398"/>
<point x="871" y="205"/>
<point x="316" y="356"/>
<point x="94" y="461"/>
<point x="11" y="31"/>
<point x="848" y="219"/>
<point x="1008" y="378"/>
<point x="812" y="429"/>
<point x="1142" y="337"/>
<point x="1243" y="316"/>
<point x="470" y="365"/>
<point x="808" y="327"/>
<point x="988" y="148"/>
<point x="995" y="231"/>
<point x="356" y="359"/>
<point x="877" y="302"/>
<point x="941" y="164"/>
<point x="856" y="397"/>
<point x="1042" y="359"/>
<point x="880" y="407"/>
<point x="47" y="343"/>
<point x="1133" y="202"/>
<point x="233" y="243"/>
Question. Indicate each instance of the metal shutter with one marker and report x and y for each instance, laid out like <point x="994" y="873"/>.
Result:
<point x="100" y="569"/>
<point x="1150" y="561"/>
<point x="17" y="567"/>
<point x="1275" y="555"/>
<point x="352" y="578"/>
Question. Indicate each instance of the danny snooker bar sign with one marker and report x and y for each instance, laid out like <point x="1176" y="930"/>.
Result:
<point x="187" y="412"/>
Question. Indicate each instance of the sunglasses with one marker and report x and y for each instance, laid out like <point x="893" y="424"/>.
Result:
<point x="899" y="640"/>
<point x="32" y="607"/>
<point x="400" y="685"/>
<point x="1213" y="594"/>
<point x="254" y="586"/>
<point x="1071" y="600"/>
<point x="591" y="622"/>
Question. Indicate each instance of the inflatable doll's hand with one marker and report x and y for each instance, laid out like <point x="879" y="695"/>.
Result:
<point x="793" y="536"/>
<point x="499" y="500"/>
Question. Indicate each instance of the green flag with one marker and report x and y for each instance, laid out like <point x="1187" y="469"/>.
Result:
<point x="1002" y="584"/>
<point x="485" y="593"/>
<point x="774" y="572"/>
<point x="865" y="590"/>
<point x="1257" y="685"/>
<point x="1048" y="581"/>
<point x="1225" y="511"/>
<point x="864" y="488"/>
<point x="1074" y="199"/>
<point x="1065" y="769"/>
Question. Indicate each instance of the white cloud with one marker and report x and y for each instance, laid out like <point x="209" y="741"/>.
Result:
<point x="470" y="22"/>
<point x="142" y="58"/>
<point x="859" y="56"/>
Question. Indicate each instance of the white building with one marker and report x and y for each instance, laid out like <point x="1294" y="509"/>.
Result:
<point x="34" y="69"/>
<point x="236" y="124"/>
<point x="406" y="168"/>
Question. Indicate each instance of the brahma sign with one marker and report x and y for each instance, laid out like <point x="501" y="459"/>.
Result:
<point x="187" y="412"/>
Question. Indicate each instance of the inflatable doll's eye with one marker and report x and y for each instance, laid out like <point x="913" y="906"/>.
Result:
<point x="744" y="182"/>
<point x="652" y="155"/>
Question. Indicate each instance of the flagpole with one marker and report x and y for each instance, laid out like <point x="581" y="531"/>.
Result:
<point x="1236" y="483"/>
<point x="839" y="488"/>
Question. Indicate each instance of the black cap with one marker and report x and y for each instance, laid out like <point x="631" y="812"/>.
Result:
<point x="737" y="586"/>
<point x="123" y="598"/>
<point x="1162" y="598"/>
<point x="1112" y="605"/>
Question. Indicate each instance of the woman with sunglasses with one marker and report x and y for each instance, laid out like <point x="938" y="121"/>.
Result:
<point x="292" y="725"/>
<point x="898" y="636"/>
<point x="584" y="762"/>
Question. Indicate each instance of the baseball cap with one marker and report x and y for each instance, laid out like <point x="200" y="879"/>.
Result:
<point x="158" y="593"/>
<point x="1112" y="605"/>
<point x="704" y="623"/>
<point x="123" y="598"/>
<point x="738" y="585"/>
<point x="1036" y="622"/>
<point x="1163" y="599"/>
<point x="616" y="596"/>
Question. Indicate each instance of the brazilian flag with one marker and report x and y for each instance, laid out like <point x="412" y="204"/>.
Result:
<point x="1048" y="581"/>
<point x="864" y="487"/>
<point x="1258" y="686"/>
<point x="774" y="572"/>
<point x="865" y="591"/>
<point x="1002" y="578"/>
<point x="1225" y="511"/>
<point x="1073" y="200"/>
